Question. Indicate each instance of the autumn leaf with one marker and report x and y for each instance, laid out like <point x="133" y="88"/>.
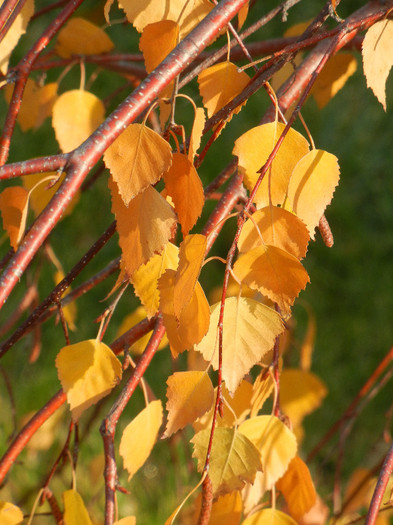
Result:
<point x="136" y="159"/>
<point x="144" y="227"/>
<point x="75" y="512"/>
<point x="277" y="227"/>
<point x="250" y="329"/>
<point x="253" y="149"/>
<point x="312" y="185"/>
<point x="276" y="443"/>
<point x="131" y="320"/>
<point x="261" y="390"/>
<point x="297" y="488"/>
<point x="81" y="37"/>
<point x="190" y="395"/>
<point x="76" y="114"/>
<point x="10" y="514"/>
<point x="378" y="57"/>
<point x="269" y="516"/>
<point x="139" y="437"/>
<point x="14" y="208"/>
<point x="196" y="133"/>
<point x="185" y="188"/>
<point x="333" y="77"/>
<point x="87" y="371"/>
<point x="274" y="272"/>
<point x="129" y="520"/>
<point x="69" y="310"/>
<point x="157" y="41"/>
<point x="234" y="459"/>
<point x="225" y="509"/>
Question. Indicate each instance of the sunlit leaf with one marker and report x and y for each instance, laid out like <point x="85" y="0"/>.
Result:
<point x="298" y="488"/>
<point x="10" y="514"/>
<point x="276" y="443"/>
<point x="131" y="320"/>
<point x="157" y="41"/>
<point x="87" y="371"/>
<point x="234" y="459"/>
<point x="185" y="188"/>
<point x="269" y="517"/>
<point x="277" y="227"/>
<point x="81" y="37"/>
<point x="76" y="114"/>
<point x="378" y="57"/>
<point x="190" y="395"/>
<point x="196" y="133"/>
<point x="137" y="158"/>
<point x="250" y="329"/>
<point x="144" y="227"/>
<point x="274" y="272"/>
<point x="253" y="149"/>
<point x="312" y="185"/>
<point x="75" y="512"/>
<point x="333" y="77"/>
<point x="13" y="208"/>
<point x="139" y="437"/>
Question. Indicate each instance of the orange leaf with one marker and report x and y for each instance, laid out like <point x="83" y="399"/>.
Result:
<point x="277" y="227"/>
<point x="87" y="371"/>
<point x="333" y="77"/>
<point x="157" y="41"/>
<point x="312" y="185"/>
<point x="253" y="149"/>
<point x="14" y="207"/>
<point x="10" y="514"/>
<point x="378" y="57"/>
<point x="75" y="512"/>
<point x="144" y="227"/>
<point x="274" y="272"/>
<point x="190" y="395"/>
<point x="219" y="84"/>
<point x="76" y="114"/>
<point x="298" y="488"/>
<point x="225" y="509"/>
<point x="269" y="516"/>
<point x="185" y="188"/>
<point x="250" y="329"/>
<point x="196" y="133"/>
<point x="137" y="158"/>
<point x="81" y="37"/>
<point x="139" y="437"/>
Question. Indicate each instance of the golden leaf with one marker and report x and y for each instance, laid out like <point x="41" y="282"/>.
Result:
<point x="75" y="512"/>
<point x="157" y="41"/>
<point x="131" y="320"/>
<point x="225" y="509"/>
<point x="196" y="133"/>
<point x="81" y="37"/>
<point x="14" y="207"/>
<point x="139" y="437"/>
<point x="10" y="514"/>
<point x="269" y="516"/>
<point x="262" y="388"/>
<point x="69" y="310"/>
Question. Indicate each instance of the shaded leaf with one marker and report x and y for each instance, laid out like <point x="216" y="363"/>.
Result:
<point x="225" y="509"/>
<point x="269" y="516"/>
<point x="76" y="114"/>
<point x="359" y="490"/>
<point x="81" y="37"/>
<point x="196" y="133"/>
<point x="253" y="149"/>
<point x="378" y="57"/>
<point x="69" y="310"/>
<point x="75" y="512"/>
<point x="312" y="185"/>
<point x="262" y="388"/>
<point x="139" y="437"/>
<point x="10" y="514"/>
<point x="136" y="159"/>
<point x="87" y="371"/>
<point x="185" y="188"/>
<point x="190" y="395"/>
<point x="250" y="329"/>
<point x="131" y="320"/>
<point x="14" y="207"/>
<point x="129" y="520"/>
<point x="234" y="460"/>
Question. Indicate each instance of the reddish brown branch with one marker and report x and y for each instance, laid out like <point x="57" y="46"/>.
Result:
<point x="13" y="12"/>
<point x="380" y="488"/>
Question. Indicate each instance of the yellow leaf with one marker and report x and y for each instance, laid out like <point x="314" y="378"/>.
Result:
<point x="185" y="188"/>
<point x="131" y="320"/>
<point x="219" y="84"/>
<point x="187" y="15"/>
<point x="87" y="371"/>
<point x="144" y="227"/>
<point x="191" y="255"/>
<point x="274" y="272"/>
<point x="250" y="329"/>
<point x="81" y="37"/>
<point x="234" y="459"/>
<point x="75" y="512"/>
<point x="10" y="514"/>
<point x="196" y="133"/>
<point x="270" y="517"/>
<point x="193" y="323"/>
<point x="225" y="509"/>
<point x="301" y="393"/>
<point x="333" y="77"/>
<point x="139" y="437"/>
<point x="157" y="41"/>
<point x="262" y="388"/>
<point x="378" y="57"/>
<point x="137" y="158"/>
<point x="70" y="310"/>
<point x="145" y="278"/>
<point x="312" y="185"/>
<point x="14" y="207"/>
<point x="277" y="227"/>
<point x="76" y="114"/>
<point x="298" y="488"/>
<point x="129" y="520"/>
<point x="276" y="443"/>
<point x="253" y="149"/>
<point x="242" y="15"/>
<point x="190" y="395"/>
<point x="17" y="29"/>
